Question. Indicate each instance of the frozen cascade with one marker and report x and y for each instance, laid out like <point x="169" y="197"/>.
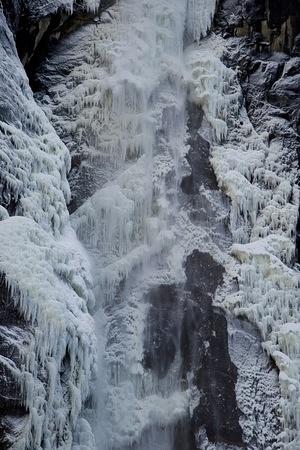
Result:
<point x="125" y="100"/>
<point x="128" y="224"/>
<point x="200" y="14"/>
<point x="122" y="103"/>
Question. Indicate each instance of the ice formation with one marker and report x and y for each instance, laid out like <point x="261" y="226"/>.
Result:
<point x="264" y="211"/>
<point x="42" y="8"/>
<point x="124" y="99"/>
<point x="200" y="14"/>
<point x="34" y="161"/>
<point x="44" y="266"/>
<point x="49" y="283"/>
<point x="121" y="90"/>
<point x="120" y="106"/>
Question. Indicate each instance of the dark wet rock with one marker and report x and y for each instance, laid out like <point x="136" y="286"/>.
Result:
<point x="271" y="25"/>
<point x="185" y="321"/>
<point x="199" y="155"/>
<point x="161" y="335"/>
<point x="221" y="359"/>
<point x="40" y="24"/>
<point x="296" y="46"/>
<point x="206" y="204"/>
<point x="233" y="13"/>
<point x="204" y="348"/>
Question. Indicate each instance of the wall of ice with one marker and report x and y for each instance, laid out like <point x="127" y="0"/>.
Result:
<point x="45" y="268"/>
<point x="199" y="17"/>
<point x="121" y="109"/>
<point x="264" y="208"/>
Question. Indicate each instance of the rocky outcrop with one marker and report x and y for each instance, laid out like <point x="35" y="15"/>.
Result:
<point x="39" y="24"/>
<point x="263" y="46"/>
<point x="273" y="25"/>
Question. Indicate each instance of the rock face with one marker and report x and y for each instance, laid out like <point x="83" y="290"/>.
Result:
<point x="273" y="25"/>
<point x="204" y="346"/>
<point x="270" y="81"/>
<point x="39" y="24"/>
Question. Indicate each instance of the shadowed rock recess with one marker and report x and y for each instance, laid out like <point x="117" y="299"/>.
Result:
<point x="149" y="224"/>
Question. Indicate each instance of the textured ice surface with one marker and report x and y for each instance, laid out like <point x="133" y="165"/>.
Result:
<point x="44" y="266"/>
<point x="34" y="161"/>
<point x="200" y="14"/>
<point x="120" y="102"/>
<point x="41" y="8"/>
<point x="51" y="287"/>
<point x="123" y="104"/>
<point x="264" y="208"/>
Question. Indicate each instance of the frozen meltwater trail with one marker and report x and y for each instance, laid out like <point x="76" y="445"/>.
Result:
<point x="124" y="100"/>
<point x="142" y="98"/>
<point x="151" y="80"/>
<point x="264" y="211"/>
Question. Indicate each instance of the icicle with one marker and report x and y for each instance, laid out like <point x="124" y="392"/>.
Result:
<point x="43" y="276"/>
<point x="263" y="218"/>
<point x="200" y="14"/>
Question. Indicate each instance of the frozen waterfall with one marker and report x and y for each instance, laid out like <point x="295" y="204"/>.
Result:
<point x="162" y="312"/>
<point x="125" y="99"/>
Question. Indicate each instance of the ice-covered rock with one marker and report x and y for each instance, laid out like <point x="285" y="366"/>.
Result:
<point x="51" y="288"/>
<point x="253" y="172"/>
<point x="45" y="270"/>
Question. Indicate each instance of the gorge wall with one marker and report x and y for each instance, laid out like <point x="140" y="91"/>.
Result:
<point x="149" y="247"/>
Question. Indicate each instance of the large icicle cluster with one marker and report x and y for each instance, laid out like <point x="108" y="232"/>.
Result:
<point x="51" y="287"/>
<point x="45" y="268"/>
<point x="108" y="103"/>
<point x="200" y="14"/>
<point x="264" y="209"/>
<point x="42" y="8"/>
